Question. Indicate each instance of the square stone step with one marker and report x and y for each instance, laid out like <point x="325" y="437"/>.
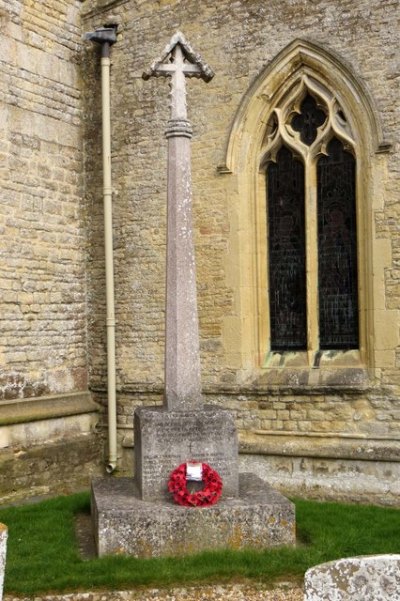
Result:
<point x="258" y="517"/>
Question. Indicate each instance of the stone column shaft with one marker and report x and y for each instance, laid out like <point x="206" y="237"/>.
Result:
<point x="182" y="355"/>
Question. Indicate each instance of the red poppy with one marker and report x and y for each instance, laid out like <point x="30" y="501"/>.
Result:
<point x="208" y="495"/>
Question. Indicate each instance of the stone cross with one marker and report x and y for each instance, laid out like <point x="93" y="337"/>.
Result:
<point x="182" y="353"/>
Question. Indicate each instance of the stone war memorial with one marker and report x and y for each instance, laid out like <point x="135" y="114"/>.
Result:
<point x="295" y="182"/>
<point x="185" y="451"/>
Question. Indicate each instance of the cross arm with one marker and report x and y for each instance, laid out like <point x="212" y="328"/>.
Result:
<point x="194" y="65"/>
<point x="165" y="69"/>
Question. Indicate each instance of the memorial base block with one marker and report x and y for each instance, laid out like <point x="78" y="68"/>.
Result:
<point x="258" y="518"/>
<point x="165" y="439"/>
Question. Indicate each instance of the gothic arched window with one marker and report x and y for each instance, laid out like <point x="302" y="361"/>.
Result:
<point x="310" y="163"/>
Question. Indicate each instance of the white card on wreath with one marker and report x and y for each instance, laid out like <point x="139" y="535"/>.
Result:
<point x="194" y="471"/>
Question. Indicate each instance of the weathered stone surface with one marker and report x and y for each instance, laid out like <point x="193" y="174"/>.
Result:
<point x="370" y="578"/>
<point x="46" y="408"/>
<point x="123" y="523"/>
<point x="165" y="439"/>
<point x="182" y="351"/>
<point x="3" y="552"/>
<point x="43" y="279"/>
<point x="346" y="480"/>
<point x="50" y="468"/>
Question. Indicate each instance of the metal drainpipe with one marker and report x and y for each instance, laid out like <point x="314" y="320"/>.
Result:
<point x="106" y="36"/>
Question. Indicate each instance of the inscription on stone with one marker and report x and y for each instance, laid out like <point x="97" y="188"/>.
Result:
<point x="165" y="439"/>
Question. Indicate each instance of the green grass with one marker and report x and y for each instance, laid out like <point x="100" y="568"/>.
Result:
<point x="43" y="555"/>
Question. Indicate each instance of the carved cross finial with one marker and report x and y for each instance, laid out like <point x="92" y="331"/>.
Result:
<point x="179" y="61"/>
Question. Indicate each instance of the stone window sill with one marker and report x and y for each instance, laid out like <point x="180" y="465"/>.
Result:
<point x="320" y="369"/>
<point x="314" y="360"/>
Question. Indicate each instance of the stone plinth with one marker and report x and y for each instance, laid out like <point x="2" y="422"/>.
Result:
<point x="165" y="439"/>
<point x="258" y="518"/>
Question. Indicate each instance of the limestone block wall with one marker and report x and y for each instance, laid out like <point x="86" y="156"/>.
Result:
<point x="42" y="278"/>
<point x="291" y="412"/>
<point x="43" y="306"/>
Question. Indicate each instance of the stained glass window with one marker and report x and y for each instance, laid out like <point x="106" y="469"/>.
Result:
<point x="337" y="249"/>
<point x="286" y="244"/>
<point x="311" y="216"/>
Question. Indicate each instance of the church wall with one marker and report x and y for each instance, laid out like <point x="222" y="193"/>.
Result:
<point x="46" y="412"/>
<point x="293" y="421"/>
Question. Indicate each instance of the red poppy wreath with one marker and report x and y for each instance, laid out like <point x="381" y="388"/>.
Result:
<point x="208" y="495"/>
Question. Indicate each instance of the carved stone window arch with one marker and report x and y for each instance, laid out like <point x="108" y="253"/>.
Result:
<point x="303" y="78"/>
